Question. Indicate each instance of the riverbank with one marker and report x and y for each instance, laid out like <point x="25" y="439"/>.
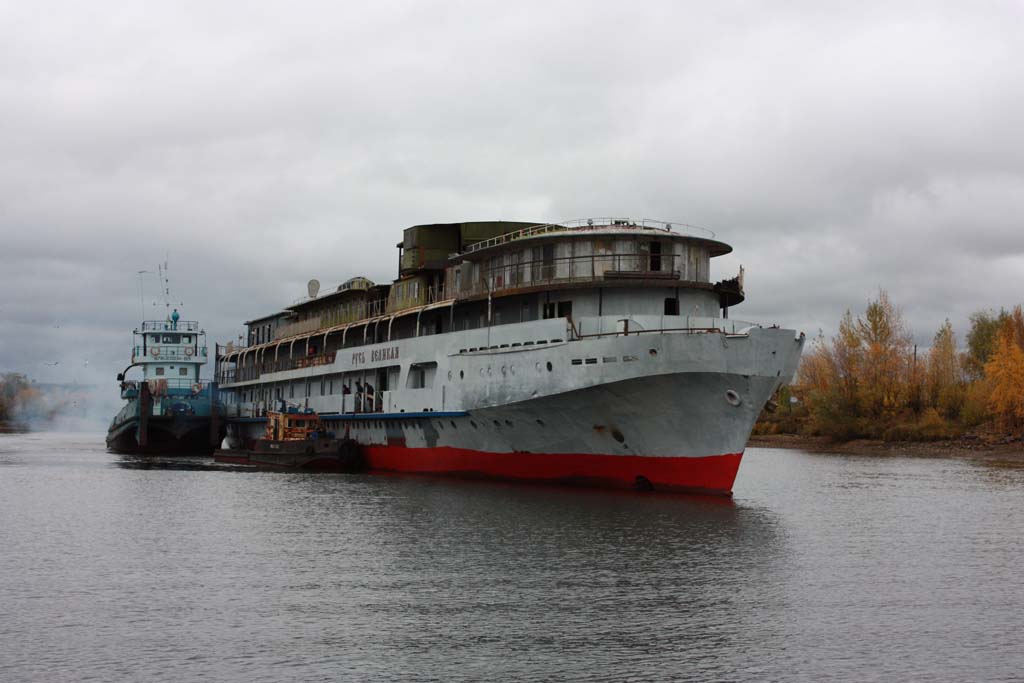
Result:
<point x="964" y="447"/>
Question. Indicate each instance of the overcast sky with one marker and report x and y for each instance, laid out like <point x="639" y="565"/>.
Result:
<point x="256" y="145"/>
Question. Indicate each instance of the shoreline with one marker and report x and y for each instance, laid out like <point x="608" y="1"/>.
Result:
<point x="978" y="449"/>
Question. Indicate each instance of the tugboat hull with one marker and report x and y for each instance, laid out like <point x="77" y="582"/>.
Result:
<point x="178" y="435"/>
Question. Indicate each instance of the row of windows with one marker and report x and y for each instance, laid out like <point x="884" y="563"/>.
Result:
<point x="439" y="425"/>
<point x="182" y="372"/>
<point x="170" y="339"/>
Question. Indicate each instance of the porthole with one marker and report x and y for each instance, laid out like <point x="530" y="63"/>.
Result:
<point x="540" y="422"/>
<point x="538" y="367"/>
<point x="462" y="375"/>
<point x="497" y="424"/>
<point x="504" y="370"/>
<point x="508" y="422"/>
<point x="617" y="435"/>
<point x="512" y="369"/>
<point x="653" y="352"/>
<point x="481" y="372"/>
<point x="733" y="398"/>
<point x="452" y="423"/>
<point x="472" y="424"/>
<point x="550" y="367"/>
<point x="449" y="375"/>
<point x="488" y="370"/>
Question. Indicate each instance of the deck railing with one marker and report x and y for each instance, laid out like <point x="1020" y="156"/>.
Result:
<point x="169" y="326"/>
<point x="573" y="269"/>
<point x="163" y="386"/>
<point x="583" y="224"/>
<point x="153" y="353"/>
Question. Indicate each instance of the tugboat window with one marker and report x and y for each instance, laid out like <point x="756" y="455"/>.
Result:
<point x="672" y="306"/>
<point x="159" y="371"/>
<point x="183" y="371"/>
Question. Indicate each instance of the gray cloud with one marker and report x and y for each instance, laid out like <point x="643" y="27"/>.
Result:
<point x="256" y="145"/>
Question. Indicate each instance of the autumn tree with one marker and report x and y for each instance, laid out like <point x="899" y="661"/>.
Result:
<point x="945" y="382"/>
<point x="981" y="341"/>
<point x="1005" y="372"/>
<point x="885" y="347"/>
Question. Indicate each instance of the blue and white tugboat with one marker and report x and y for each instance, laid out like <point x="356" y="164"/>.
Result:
<point x="171" y="410"/>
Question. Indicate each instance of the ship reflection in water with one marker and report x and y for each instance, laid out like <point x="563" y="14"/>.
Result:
<point x="820" y="567"/>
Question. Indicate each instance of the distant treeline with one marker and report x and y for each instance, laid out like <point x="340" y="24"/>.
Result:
<point x="22" y="404"/>
<point x="870" y="381"/>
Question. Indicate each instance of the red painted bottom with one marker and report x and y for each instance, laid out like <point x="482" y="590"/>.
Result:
<point x="712" y="474"/>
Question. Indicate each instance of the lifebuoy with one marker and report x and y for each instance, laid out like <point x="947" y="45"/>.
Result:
<point x="155" y="351"/>
<point x="188" y="351"/>
<point x="197" y="387"/>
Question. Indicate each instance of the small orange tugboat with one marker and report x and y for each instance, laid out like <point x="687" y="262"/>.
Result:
<point x="298" y="440"/>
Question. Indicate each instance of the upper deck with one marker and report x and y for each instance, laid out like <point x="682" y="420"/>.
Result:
<point x="169" y="341"/>
<point x="507" y="260"/>
<point x="602" y="226"/>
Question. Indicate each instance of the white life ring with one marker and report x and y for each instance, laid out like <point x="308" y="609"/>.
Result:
<point x="155" y="351"/>
<point x="188" y="351"/>
<point x="197" y="387"/>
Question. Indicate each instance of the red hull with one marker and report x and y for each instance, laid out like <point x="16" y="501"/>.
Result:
<point x="712" y="474"/>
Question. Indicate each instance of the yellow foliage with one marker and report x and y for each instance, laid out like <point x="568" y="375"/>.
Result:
<point x="1005" y="372"/>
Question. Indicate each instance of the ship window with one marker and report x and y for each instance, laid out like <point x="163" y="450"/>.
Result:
<point x="672" y="306"/>
<point x="182" y="372"/>
<point x="591" y="361"/>
<point x="577" y="361"/>
<point x="564" y="309"/>
<point x="291" y="391"/>
<point x="159" y="371"/>
<point x="610" y="359"/>
<point x="186" y="339"/>
<point x="172" y="338"/>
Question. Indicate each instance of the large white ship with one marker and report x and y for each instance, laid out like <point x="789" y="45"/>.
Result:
<point x="596" y="351"/>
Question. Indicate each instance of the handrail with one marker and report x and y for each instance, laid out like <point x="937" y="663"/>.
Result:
<point x="169" y="326"/>
<point x="182" y="352"/>
<point x="583" y="224"/>
<point x="576" y="269"/>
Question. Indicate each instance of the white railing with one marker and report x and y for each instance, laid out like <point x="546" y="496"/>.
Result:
<point x="583" y="224"/>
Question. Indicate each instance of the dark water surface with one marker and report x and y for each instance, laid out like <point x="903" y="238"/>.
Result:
<point x="820" y="568"/>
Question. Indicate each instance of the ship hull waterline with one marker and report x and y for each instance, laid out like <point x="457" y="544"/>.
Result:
<point x="172" y="436"/>
<point x="713" y="475"/>
<point x="672" y="432"/>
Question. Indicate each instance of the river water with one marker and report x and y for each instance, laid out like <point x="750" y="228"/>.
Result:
<point x="820" y="568"/>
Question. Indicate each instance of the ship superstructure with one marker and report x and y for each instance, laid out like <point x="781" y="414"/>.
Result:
<point x="592" y="351"/>
<point x="171" y="409"/>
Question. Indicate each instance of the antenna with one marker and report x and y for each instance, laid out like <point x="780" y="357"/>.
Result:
<point x="165" y="286"/>
<point x="142" y="298"/>
<point x="313" y="288"/>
